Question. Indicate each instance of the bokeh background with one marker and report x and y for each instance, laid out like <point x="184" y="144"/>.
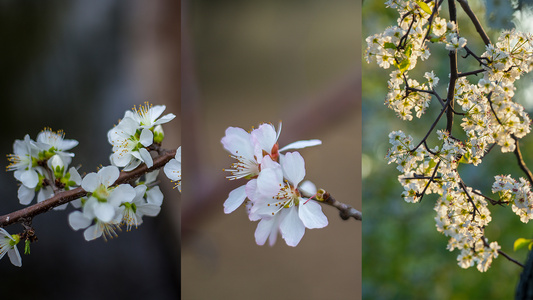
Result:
<point x="77" y="66"/>
<point x="404" y="257"/>
<point x="249" y="62"/>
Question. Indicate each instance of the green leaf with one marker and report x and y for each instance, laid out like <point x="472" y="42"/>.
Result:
<point x="424" y="7"/>
<point x="389" y="46"/>
<point x="521" y="243"/>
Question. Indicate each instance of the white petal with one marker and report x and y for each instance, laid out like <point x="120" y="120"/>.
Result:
<point x="311" y="214"/>
<point x="45" y="193"/>
<point x="165" y="119"/>
<point x="90" y="182"/>
<point x="68" y="144"/>
<point x="92" y="232"/>
<point x="104" y="212"/>
<point x="146" y="157"/>
<point x="308" y="188"/>
<point x="132" y="165"/>
<point x="173" y="170"/>
<point x="14" y="257"/>
<point x="269" y="181"/>
<point x="29" y="178"/>
<point x="237" y="142"/>
<point x="178" y="154"/>
<point x="156" y="111"/>
<point x="301" y="144"/>
<point x="108" y="175"/>
<point x="154" y="196"/>
<point x="120" y="194"/>
<point x="235" y="199"/>
<point x="291" y="227"/>
<point x="147" y="137"/>
<point x="74" y="175"/>
<point x="150" y="210"/>
<point x="265" y="136"/>
<point x="78" y="220"/>
<point x="266" y="228"/>
<point x="293" y="166"/>
<point x="25" y="195"/>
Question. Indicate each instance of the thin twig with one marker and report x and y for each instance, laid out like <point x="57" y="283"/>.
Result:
<point x="61" y="198"/>
<point x="345" y="210"/>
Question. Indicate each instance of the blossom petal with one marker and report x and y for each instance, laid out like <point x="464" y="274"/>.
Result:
<point x="301" y="144"/>
<point x="108" y="175"/>
<point x="14" y="257"/>
<point x="90" y="182"/>
<point x="173" y="170"/>
<point x="269" y="181"/>
<point x="120" y="194"/>
<point x="25" y="195"/>
<point x="165" y="119"/>
<point x="78" y="220"/>
<point x="266" y="228"/>
<point x="237" y="142"/>
<point x="311" y="215"/>
<point x="291" y="227"/>
<point x="146" y="157"/>
<point x="74" y="175"/>
<point x="29" y="178"/>
<point x="235" y="199"/>
<point x="104" y="212"/>
<point x="154" y="196"/>
<point x="93" y="232"/>
<point x="293" y="166"/>
<point x="308" y="188"/>
<point x="147" y="137"/>
<point x="150" y="210"/>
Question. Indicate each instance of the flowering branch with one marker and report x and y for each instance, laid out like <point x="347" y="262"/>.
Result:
<point x="28" y="213"/>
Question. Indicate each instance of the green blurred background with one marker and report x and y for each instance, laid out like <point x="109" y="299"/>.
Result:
<point x="404" y="257"/>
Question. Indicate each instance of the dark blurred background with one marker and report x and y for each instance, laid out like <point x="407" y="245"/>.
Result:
<point x="77" y="66"/>
<point x="249" y="62"/>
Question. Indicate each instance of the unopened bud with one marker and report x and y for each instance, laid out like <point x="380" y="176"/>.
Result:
<point x="159" y="135"/>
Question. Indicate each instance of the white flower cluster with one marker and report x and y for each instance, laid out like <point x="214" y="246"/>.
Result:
<point x="109" y="205"/>
<point x="41" y="166"/>
<point x="275" y="194"/>
<point x="489" y="116"/>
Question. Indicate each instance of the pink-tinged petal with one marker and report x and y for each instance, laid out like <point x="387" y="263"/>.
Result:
<point x="108" y="175"/>
<point x="29" y="178"/>
<point x="104" y="212"/>
<point x="269" y="182"/>
<point x="93" y="232"/>
<point x="14" y="257"/>
<point x="311" y="214"/>
<point x="252" y="192"/>
<point x="235" y="199"/>
<point x="265" y="136"/>
<point x="266" y="228"/>
<point x="237" y="142"/>
<point x="146" y="138"/>
<point x="291" y="227"/>
<point x="78" y="220"/>
<point x="301" y="144"/>
<point x="25" y="195"/>
<point x="293" y="166"/>
<point x="146" y="157"/>
<point x="90" y="182"/>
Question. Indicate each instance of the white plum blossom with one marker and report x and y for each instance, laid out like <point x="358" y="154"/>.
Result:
<point x="173" y="169"/>
<point x="8" y="244"/>
<point x="134" y="133"/>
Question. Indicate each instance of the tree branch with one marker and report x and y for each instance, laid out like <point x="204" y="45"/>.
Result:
<point x="61" y="198"/>
<point x="345" y="210"/>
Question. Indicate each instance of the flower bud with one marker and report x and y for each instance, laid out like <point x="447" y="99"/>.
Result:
<point x="159" y="135"/>
<point x="57" y="165"/>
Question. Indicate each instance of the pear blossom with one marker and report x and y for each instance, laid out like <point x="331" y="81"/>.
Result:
<point x="133" y="211"/>
<point x="8" y="245"/>
<point x="280" y="205"/>
<point x="173" y="169"/>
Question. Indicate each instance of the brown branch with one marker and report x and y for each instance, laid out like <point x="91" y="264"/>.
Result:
<point x="475" y="21"/>
<point x="345" y="210"/>
<point x="61" y="198"/>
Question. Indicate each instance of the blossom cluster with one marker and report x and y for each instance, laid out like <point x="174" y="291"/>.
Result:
<point x="276" y="194"/>
<point x="41" y="167"/>
<point x="489" y="117"/>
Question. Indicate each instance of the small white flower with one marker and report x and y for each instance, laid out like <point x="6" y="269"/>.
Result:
<point x="173" y="169"/>
<point x="8" y="245"/>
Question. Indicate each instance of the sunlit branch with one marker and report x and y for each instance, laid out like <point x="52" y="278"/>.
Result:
<point x="475" y="21"/>
<point x="345" y="211"/>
